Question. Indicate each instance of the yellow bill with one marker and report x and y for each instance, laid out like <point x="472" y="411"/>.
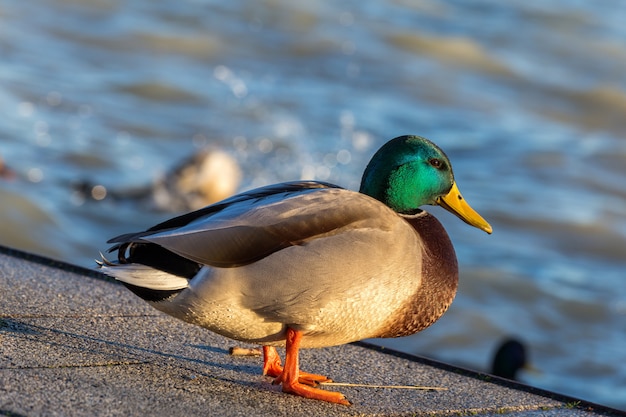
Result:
<point x="456" y="204"/>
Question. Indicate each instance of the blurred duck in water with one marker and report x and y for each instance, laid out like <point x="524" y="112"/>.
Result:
<point x="510" y="357"/>
<point x="206" y="177"/>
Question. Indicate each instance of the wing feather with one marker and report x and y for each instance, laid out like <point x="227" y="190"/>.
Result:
<point x="253" y="225"/>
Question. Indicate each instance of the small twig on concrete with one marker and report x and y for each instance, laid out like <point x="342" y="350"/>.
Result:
<point x="241" y="351"/>
<point x="347" y="384"/>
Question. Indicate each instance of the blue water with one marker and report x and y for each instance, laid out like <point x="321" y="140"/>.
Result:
<point x="528" y="99"/>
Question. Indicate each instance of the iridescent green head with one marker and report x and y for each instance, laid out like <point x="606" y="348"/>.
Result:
<point x="410" y="171"/>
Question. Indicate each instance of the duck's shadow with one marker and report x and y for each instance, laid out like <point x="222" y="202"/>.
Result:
<point x="119" y="352"/>
<point x="209" y="348"/>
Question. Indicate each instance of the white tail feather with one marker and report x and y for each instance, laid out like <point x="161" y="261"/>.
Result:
<point x="144" y="276"/>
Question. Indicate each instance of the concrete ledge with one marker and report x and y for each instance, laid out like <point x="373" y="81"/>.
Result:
<point x="74" y="343"/>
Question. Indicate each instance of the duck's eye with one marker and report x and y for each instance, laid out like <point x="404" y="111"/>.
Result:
<point x="436" y="163"/>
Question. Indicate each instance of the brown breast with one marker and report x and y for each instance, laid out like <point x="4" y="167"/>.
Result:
<point x="439" y="280"/>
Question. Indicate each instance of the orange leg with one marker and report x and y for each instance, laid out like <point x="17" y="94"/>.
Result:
<point x="271" y="362"/>
<point x="294" y="381"/>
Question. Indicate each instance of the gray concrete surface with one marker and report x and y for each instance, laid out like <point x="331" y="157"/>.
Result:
<point x="73" y="343"/>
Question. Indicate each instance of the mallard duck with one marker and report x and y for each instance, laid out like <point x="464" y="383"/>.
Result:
<point x="308" y="264"/>
<point x="206" y="177"/>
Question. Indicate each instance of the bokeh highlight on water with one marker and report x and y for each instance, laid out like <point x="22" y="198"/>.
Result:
<point x="528" y="99"/>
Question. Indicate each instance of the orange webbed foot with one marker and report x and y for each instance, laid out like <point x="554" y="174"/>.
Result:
<point x="273" y="367"/>
<point x="308" y="391"/>
<point x="312" y="380"/>
<point x="294" y="381"/>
